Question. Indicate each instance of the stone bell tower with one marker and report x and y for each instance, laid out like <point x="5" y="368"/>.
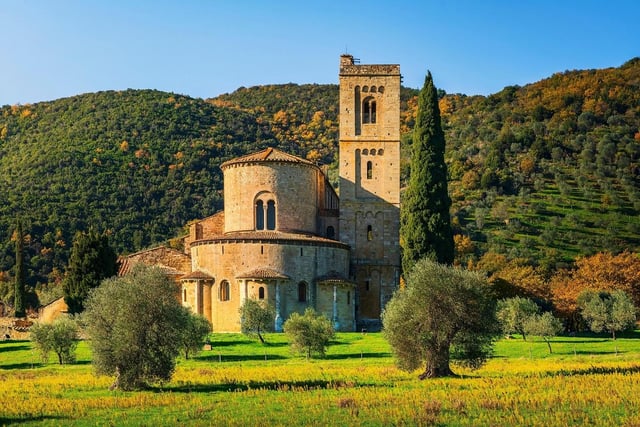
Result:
<point x="370" y="182"/>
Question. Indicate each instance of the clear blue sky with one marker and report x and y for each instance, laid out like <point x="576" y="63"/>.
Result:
<point x="51" y="49"/>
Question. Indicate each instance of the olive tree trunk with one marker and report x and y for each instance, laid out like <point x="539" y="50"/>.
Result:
<point x="437" y="364"/>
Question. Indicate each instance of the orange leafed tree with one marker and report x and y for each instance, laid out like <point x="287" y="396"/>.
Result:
<point x="602" y="271"/>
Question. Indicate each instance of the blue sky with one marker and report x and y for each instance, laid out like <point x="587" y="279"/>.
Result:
<point x="53" y="49"/>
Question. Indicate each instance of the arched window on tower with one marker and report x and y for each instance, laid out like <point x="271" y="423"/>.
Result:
<point x="302" y="292"/>
<point x="369" y="169"/>
<point x="259" y="215"/>
<point x="271" y="215"/>
<point x="369" y="110"/>
<point x="261" y="292"/>
<point x="369" y="233"/>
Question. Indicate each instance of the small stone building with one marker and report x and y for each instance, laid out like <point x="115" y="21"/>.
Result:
<point x="286" y="238"/>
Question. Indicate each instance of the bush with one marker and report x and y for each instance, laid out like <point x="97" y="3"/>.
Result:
<point x="135" y="323"/>
<point x="256" y="317"/>
<point x="309" y="333"/>
<point x="60" y="337"/>
<point x="196" y="330"/>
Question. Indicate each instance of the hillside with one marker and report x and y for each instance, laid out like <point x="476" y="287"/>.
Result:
<point x="544" y="172"/>
<point x="137" y="163"/>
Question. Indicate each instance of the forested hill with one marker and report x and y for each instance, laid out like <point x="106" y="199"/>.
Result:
<point x="137" y="163"/>
<point x="543" y="172"/>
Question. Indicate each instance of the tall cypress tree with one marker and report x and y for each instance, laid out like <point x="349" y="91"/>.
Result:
<point x="20" y="275"/>
<point x="91" y="261"/>
<point x="425" y="228"/>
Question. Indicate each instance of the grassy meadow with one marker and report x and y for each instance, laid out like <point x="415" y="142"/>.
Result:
<point x="586" y="381"/>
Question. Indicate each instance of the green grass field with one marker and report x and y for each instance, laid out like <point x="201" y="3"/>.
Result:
<point x="586" y="381"/>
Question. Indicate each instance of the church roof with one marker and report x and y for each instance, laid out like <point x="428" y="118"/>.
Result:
<point x="197" y="275"/>
<point x="333" y="277"/>
<point x="262" y="273"/>
<point x="267" y="155"/>
<point x="271" y="237"/>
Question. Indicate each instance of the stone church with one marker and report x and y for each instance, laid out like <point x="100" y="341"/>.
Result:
<point x="285" y="236"/>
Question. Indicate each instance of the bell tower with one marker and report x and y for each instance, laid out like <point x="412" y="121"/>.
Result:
<point x="370" y="181"/>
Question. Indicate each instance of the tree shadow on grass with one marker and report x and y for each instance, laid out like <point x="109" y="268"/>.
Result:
<point x="12" y="421"/>
<point x="30" y="365"/>
<point x="216" y="357"/>
<point x="230" y="342"/>
<point x="6" y="348"/>
<point x="594" y="370"/>
<point x="591" y="352"/>
<point x="304" y="385"/>
<point x="364" y="355"/>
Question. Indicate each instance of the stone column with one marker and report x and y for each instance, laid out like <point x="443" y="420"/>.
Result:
<point x="278" y="322"/>
<point x="196" y="299"/>
<point x="244" y="292"/>
<point x="336" y="324"/>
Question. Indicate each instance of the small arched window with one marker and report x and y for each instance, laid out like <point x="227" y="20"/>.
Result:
<point x="223" y="293"/>
<point x="369" y="169"/>
<point x="302" y="292"/>
<point x="261" y="292"/>
<point x="348" y="297"/>
<point x="369" y="233"/>
<point x="271" y="215"/>
<point x="184" y="295"/>
<point x="259" y="215"/>
<point x="331" y="232"/>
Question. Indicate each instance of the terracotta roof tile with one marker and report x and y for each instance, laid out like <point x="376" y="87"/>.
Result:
<point x="273" y="235"/>
<point x="262" y="273"/>
<point x="197" y="275"/>
<point x="333" y="277"/>
<point x="268" y="155"/>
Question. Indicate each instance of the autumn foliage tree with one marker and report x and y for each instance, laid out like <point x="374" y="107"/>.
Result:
<point x="600" y="272"/>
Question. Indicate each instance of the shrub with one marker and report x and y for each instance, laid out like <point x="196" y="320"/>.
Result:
<point x="60" y="337"/>
<point x="309" y="333"/>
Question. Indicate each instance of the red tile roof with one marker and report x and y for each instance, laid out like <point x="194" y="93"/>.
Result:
<point x="197" y="275"/>
<point x="262" y="273"/>
<point x="268" y="155"/>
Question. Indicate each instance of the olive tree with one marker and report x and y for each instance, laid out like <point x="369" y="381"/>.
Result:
<point x="59" y="336"/>
<point x="443" y="314"/>
<point x="607" y="311"/>
<point x="513" y="313"/>
<point x="195" y="331"/>
<point x="309" y="332"/>
<point x="135" y="325"/>
<point x="256" y="317"/>
<point x="543" y="325"/>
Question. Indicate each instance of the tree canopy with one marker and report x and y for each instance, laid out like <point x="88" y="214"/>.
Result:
<point x="135" y="325"/>
<point x="92" y="260"/>
<point x="443" y="314"/>
<point x="425" y="229"/>
<point x="607" y="311"/>
<point x="309" y="333"/>
<point x="256" y="318"/>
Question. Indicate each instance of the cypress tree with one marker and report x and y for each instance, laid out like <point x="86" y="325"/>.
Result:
<point x="91" y="261"/>
<point x="425" y="228"/>
<point x="20" y="275"/>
